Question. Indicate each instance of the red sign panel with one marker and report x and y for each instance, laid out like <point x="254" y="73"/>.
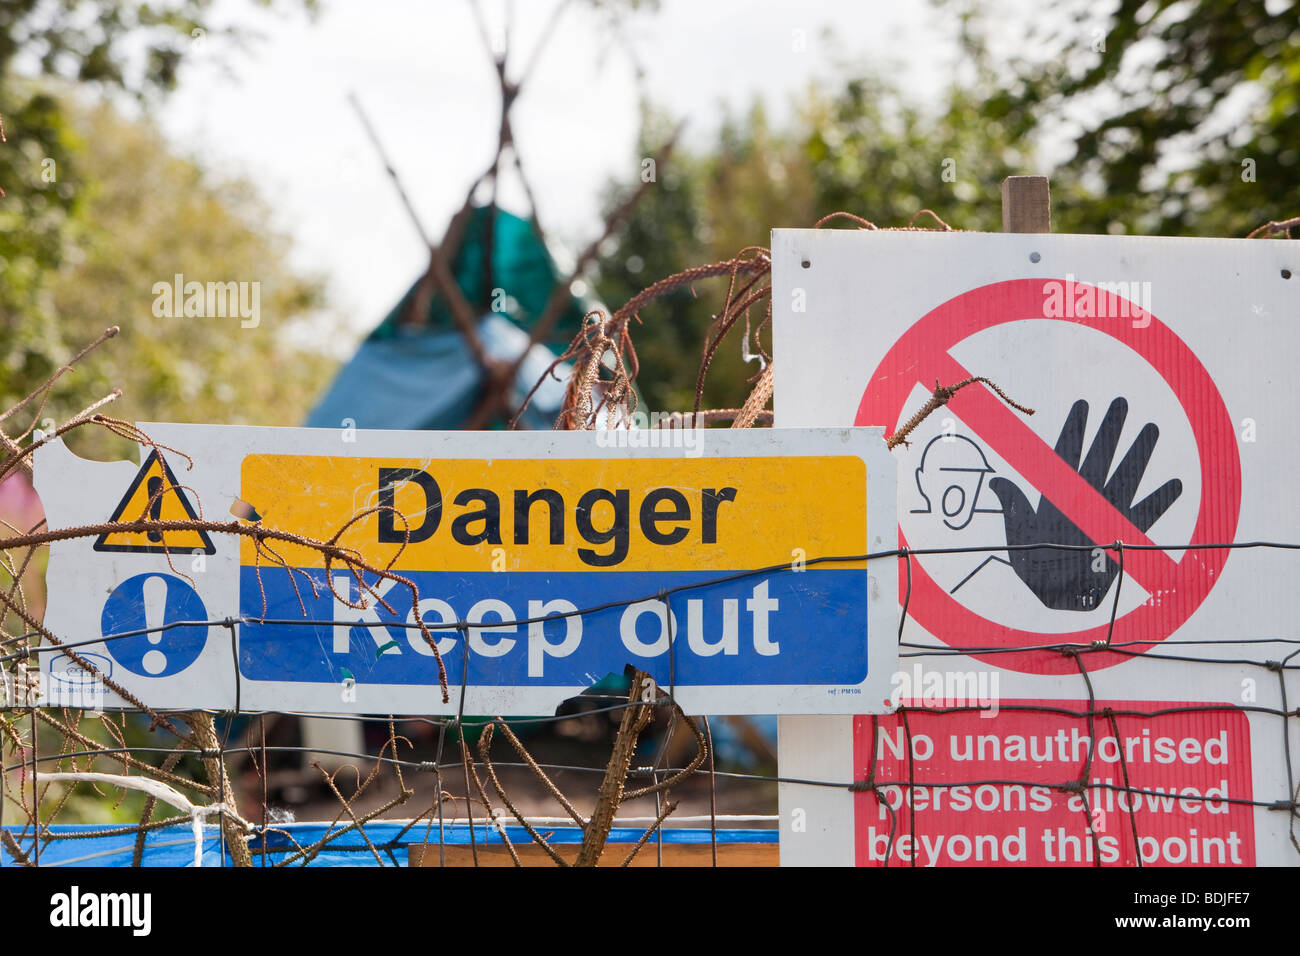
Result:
<point x="1035" y="785"/>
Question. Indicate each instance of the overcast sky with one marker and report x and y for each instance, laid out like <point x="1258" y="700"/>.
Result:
<point x="279" y="115"/>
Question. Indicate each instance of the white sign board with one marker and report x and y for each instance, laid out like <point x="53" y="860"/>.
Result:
<point x="730" y="565"/>
<point x="1166" y="419"/>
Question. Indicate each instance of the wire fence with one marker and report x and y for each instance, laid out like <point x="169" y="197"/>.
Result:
<point x="1103" y="719"/>
<point x="25" y="846"/>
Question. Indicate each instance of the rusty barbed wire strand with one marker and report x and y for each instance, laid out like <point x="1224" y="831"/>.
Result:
<point x="942" y="395"/>
<point x="49" y="383"/>
<point x="484" y="742"/>
<point x="1273" y="228"/>
<point x="491" y="814"/>
<point x="654" y="827"/>
<point x="753" y="263"/>
<point x="635" y="719"/>
<point x="328" y="550"/>
<point x="911" y="223"/>
<point x="546" y="781"/>
<point x="841" y="214"/>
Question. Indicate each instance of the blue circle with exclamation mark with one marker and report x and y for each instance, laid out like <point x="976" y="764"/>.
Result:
<point x="149" y="601"/>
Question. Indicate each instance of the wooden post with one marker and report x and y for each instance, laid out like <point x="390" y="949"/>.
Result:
<point x="205" y="733"/>
<point x="1026" y="204"/>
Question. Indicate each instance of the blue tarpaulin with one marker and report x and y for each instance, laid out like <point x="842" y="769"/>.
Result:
<point x="419" y="379"/>
<point x="416" y="371"/>
<point x="174" y="846"/>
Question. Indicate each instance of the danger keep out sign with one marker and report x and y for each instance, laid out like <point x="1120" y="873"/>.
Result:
<point x="1160" y="372"/>
<point x="729" y="565"/>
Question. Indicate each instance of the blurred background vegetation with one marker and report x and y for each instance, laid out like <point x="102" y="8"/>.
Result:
<point x="1171" y="118"/>
<point x="98" y="207"/>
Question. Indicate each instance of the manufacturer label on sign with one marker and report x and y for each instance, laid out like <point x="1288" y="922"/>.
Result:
<point x="539" y="563"/>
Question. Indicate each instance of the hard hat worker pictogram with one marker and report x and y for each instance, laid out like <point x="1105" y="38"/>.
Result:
<point x="950" y="478"/>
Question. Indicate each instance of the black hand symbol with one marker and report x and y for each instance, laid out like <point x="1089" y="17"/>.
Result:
<point x="1066" y="580"/>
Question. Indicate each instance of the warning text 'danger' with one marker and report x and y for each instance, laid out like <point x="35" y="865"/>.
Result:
<point x="664" y="515"/>
<point x="536" y="572"/>
<point x="564" y="515"/>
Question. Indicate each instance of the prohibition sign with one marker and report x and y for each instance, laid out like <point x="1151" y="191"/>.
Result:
<point x="1175" y="588"/>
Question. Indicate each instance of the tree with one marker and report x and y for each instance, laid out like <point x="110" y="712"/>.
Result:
<point x="1181" y="114"/>
<point x="147" y="216"/>
<point x="32" y="222"/>
<point x="67" y="189"/>
<point x="860" y="146"/>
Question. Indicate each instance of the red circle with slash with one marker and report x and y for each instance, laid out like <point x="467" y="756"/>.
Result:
<point x="922" y="356"/>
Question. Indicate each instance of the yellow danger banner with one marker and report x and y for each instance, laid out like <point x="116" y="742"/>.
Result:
<point x="589" y="514"/>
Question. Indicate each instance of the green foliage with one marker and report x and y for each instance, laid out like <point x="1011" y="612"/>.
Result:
<point x="133" y="46"/>
<point x="98" y="209"/>
<point x="65" y="802"/>
<point x="1170" y="98"/>
<point x="110" y="45"/>
<point x="32" y="223"/>
<point x="147" y="216"/>
<point x="1181" y="114"/>
<point x="123" y="214"/>
<point x="861" y="147"/>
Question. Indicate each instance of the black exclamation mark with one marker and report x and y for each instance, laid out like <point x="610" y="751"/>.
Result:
<point x="155" y="505"/>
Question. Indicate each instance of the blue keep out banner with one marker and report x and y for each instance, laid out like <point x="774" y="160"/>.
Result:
<point x="750" y="630"/>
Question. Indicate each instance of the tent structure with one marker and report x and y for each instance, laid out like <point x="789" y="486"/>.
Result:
<point x="466" y="344"/>
<point x="417" y="369"/>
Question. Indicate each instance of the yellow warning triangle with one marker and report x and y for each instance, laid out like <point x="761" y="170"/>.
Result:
<point x="155" y="493"/>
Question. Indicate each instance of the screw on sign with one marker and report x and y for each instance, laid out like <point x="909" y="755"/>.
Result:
<point x="1087" y="499"/>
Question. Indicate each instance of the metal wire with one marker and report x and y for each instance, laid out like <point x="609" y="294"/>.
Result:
<point x="869" y="787"/>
